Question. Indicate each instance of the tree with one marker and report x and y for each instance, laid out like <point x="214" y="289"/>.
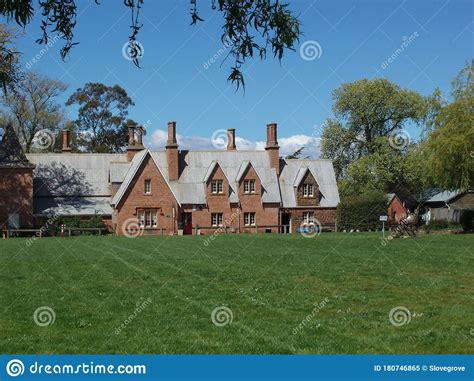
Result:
<point x="102" y="117"/>
<point x="251" y="27"/>
<point x="32" y="105"/>
<point x="449" y="147"/>
<point x="388" y="170"/>
<point x="340" y="145"/>
<point x="374" y="108"/>
<point x="297" y="154"/>
<point x="10" y="72"/>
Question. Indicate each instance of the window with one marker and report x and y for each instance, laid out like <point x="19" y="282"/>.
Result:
<point x="308" y="218"/>
<point x="147" y="186"/>
<point x="217" y="186"/>
<point x="249" y="219"/>
<point x="216" y="219"/>
<point x="308" y="190"/>
<point x="141" y="218"/>
<point x="249" y="186"/>
<point x="148" y="218"/>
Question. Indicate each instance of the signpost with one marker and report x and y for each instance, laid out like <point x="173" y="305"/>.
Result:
<point x="383" y="219"/>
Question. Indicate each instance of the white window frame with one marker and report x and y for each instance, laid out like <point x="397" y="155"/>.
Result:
<point x="216" y="219"/>
<point x="147" y="186"/>
<point x="249" y="186"/>
<point x="141" y="218"/>
<point x="148" y="218"/>
<point x="308" y="218"/>
<point x="249" y="219"/>
<point x="308" y="190"/>
<point x="217" y="186"/>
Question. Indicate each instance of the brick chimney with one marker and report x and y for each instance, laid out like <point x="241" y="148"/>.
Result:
<point x="272" y="147"/>
<point x="231" y="139"/>
<point x="172" y="153"/>
<point x="66" y="141"/>
<point x="134" y="146"/>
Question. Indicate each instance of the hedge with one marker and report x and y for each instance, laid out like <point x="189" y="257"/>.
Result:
<point x="362" y="211"/>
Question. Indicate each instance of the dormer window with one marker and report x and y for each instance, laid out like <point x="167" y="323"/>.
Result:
<point x="308" y="190"/>
<point x="217" y="186"/>
<point x="249" y="186"/>
<point x="147" y="187"/>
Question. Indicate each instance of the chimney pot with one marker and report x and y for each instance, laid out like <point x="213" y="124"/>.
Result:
<point x="272" y="135"/>
<point x="231" y="139"/>
<point x="272" y="147"/>
<point x="131" y="135"/>
<point x="140" y="135"/>
<point x="171" y="134"/>
<point x="66" y="142"/>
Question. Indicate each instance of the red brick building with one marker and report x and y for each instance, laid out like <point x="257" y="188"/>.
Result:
<point x="183" y="192"/>
<point x="396" y="210"/>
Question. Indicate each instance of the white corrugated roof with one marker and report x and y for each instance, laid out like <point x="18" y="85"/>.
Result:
<point x="72" y="206"/>
<point x="323" y="172"/>
<point x="73" y="174"/>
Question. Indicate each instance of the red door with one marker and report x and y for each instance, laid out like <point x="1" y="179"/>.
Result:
<point x="187" y="219"/>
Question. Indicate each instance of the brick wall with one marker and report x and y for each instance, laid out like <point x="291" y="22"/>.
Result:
<point x="161" y="198"/>
<point x="326" y="216"/>
<point x="16" y="195"/>
<point x="308" y="201"/>
<point x="396" y="211"/>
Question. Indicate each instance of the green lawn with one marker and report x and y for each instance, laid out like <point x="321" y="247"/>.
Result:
<point x="286" y="294"/>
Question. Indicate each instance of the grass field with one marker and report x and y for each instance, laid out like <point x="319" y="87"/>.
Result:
<point x="282" y="294"/>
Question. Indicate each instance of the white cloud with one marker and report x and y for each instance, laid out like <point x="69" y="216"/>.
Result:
<point x="288" y="145"/>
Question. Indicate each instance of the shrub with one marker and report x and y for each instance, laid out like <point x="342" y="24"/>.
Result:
<point x="362" y="211"/>
<point x="467" y="220"/>
<point x="438" y="224"/>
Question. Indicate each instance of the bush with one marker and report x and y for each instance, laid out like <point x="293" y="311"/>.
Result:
<point x="362" y="211"/>
<point x="438" y="224"/>
<point x="467" y="220"/>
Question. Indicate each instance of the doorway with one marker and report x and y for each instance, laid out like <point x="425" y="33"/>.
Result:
<point x="187" y="220"/>
<point x="285" y="221"/>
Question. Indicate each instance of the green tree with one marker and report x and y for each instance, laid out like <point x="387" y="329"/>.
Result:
<point x="449" y="147"/>
<point x="102" y="117"/>
<point x="32" y="105"/>
<point x="374" y="108"/>
<point x="340" y="145"/>
<point x="10" y="72"/>
<point x="388" y="170"/>
<point x="251" y="27"/>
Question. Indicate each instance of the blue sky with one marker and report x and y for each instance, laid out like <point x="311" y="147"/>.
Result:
<point x="178" y="82"/>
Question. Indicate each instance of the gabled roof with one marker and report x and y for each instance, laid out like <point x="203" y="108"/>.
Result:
<point x="11" y="153"/>
<point x="135" y="165"/>
<point x="243" y="167"/>
<point x="444" y="196"/>
<point x="322" y="170"/>
<point x="196" y="165"/>
<point x="300" y="175"/>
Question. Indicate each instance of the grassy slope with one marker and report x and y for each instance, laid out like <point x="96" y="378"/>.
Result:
<point x="270" y="282"/>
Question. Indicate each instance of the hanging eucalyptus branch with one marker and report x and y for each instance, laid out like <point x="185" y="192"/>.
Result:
<point x="251" y="27"/>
